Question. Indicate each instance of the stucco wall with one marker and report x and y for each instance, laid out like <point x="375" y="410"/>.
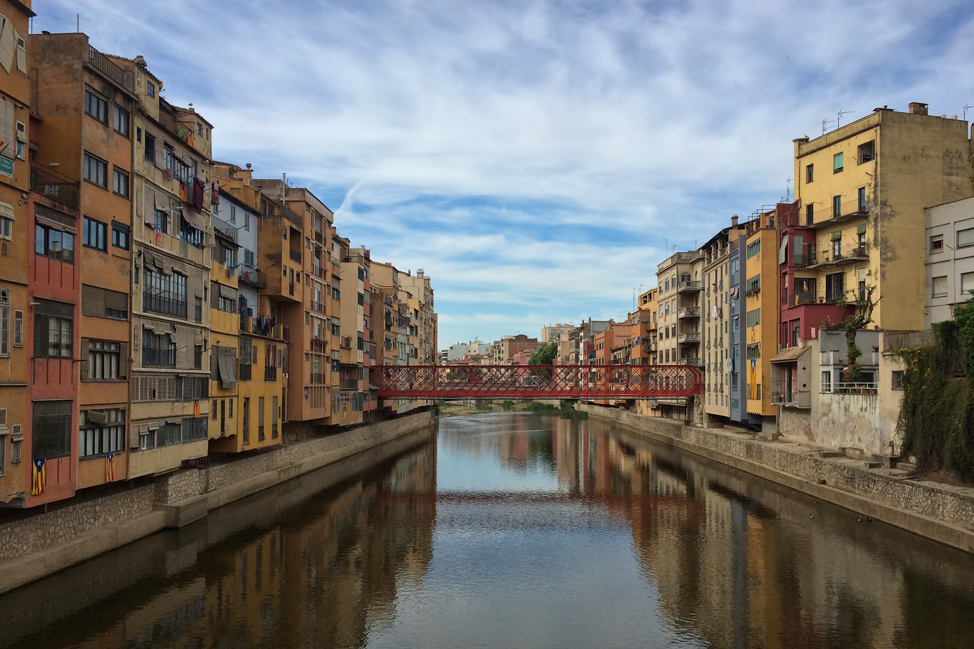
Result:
<point x="851" y="421"/>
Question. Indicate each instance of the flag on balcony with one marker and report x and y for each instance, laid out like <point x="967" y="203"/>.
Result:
<point x="109" y="467"/>
<point x="752" y="380"/>
<point x="196" y="408"/>
<point x="182" y="192"/>
<point x="38" y="477"/>
<point x="158" y="236"/>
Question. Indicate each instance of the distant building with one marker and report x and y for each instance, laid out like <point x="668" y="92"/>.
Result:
<point x="553" y="333"/>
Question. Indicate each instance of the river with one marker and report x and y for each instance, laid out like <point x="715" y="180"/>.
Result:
<point x="513" y="530"/>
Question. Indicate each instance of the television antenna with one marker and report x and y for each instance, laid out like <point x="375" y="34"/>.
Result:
<point x="838" y="118"/>
<point x="965" y="110"/>
<point x="825" y="125"/>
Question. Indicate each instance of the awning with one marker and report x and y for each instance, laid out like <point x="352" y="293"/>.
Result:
<point x="194" y="218"/>
<point x="227" y="366"/>
<point x="790" y="354"/>
<point x="228" y="292"/>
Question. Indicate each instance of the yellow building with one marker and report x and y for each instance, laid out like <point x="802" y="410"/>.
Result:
<point x="679" y="281"/>
<point x="257" y="322"/>
<point x="760" y="288"/>
<point x="861" y="193"/>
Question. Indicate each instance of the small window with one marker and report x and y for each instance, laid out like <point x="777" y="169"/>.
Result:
<point x="121" y="121"/>
<point x="826" y="381"/>
<point x="809" y="173"/>
<point x="936" y="243"/>
<point x="96" y="106"/>
<point x="897" y="380"/>
<point x="94" y="234"/>
<point x="54" y="244"/>
<point x="965" y="238"/>
<point x="940" y="286"/>
<point x="867" y="152"/>
<point x="150" y="149"/>
<point x="96" y="170"/>
<point x="120" y="235"/>
<point x="836" y="206"/>
<point x="6" y="228"/>
<point x="150" y="88"/>
<point x="861" y="198"/>
<point x="966" y="284"/>
<point x="837" y="163"/>
<point x="120" y="182"/>
<point x="809" y="214"/>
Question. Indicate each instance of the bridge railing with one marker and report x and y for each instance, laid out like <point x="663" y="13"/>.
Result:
<point x="554" y="382"/>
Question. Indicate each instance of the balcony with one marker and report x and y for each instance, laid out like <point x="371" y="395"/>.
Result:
<point x="852" y="255"/>
<point x="780" y="396"/>
<point x="295" y="255"/>
<point x="270" y="373"/>
<point x="318" y="307"/>
<point x="850" y="388"/>
<point x="253" y="277"/>
<point x="688" y="286"/>
<point x="292" y="216"/>
<point x="690" y="337"/>
<point x="798" y="298"/>
<point x="55" y="186"/>
<point x="261" y="326"/>
<point x="695" y="362"/>
<point x="245" y="372"/>
<point x="104" y="65"/>
<point x="319" y="345"/>
<point x="224" y="229"/>
<point x="832" y="214"/>
<point x="688" y="312"/>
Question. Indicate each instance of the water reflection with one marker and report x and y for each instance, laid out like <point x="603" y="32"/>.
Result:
<point x="514" y="530"/>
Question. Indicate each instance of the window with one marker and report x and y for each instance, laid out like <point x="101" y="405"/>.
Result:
<point x="809" y="214"/>
<point x="96" y="106"/>
<point x="189" y="234"/>
<point x="150" y="149"/>
<point x="6" y="228"/>
<point x="896" y="380"/>
<point x="247" y="221"/>
<point x="936" y="243"/>
<point x="18" y="328"/>
<point x="233" y="213"/>
<point x="809" y="173"/>
<point x="4" y="323"/>
<point x="834" y="290"/>
<point x="100" y="432"/>
<point x="120" y="235"/>
<point x="104" y="360"/>
<point x="861" y="198"/>
<point x="121" y="121"/>
<point x="754" y="284"/>
<point x="51" y="429"/>
<point x="965" y="238"/>
<point x="120" y="182"/>
<point x="103" y="303"/>
<point x="836" y="206"/>
<point x="94" y="234"/>
<point x="826" y="381"/>
<point x="54" y="244"/>
<point x="837" y="163"/>
<point x="165" y="294"/>
<point x="161" y="221"/>
<point x="966" y="284"/>
<point x="53" y="329"/>
<point x="753" y="249"/>
<point x="158" y="350"/>
<point x="753" y="318"/>
<point x="150" y="88"/>
<point x="940" y="286"/>
<point x="837" y="244"/>
<point x="866" y="152"/>
<point x="198" y="309"/>
<point x="96" y="170"/>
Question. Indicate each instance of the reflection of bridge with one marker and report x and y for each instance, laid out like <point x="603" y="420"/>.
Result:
<point x="536" y="382"/>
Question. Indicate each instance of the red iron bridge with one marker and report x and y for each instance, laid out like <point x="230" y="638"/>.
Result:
<point x="536" y="382"/>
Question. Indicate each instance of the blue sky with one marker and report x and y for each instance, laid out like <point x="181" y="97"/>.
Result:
<point x="537" y="157"/>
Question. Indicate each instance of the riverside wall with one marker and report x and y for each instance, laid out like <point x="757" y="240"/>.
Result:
<point x="35" y="546"/>
<point x="940" y="512"/>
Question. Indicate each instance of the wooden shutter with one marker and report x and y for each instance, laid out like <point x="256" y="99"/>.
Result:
<point x="85" y="347"/>
<point x="123" y="361"/>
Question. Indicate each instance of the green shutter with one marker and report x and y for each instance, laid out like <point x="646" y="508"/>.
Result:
<point x="837" y="235"/>
<point x="861" y="229"/>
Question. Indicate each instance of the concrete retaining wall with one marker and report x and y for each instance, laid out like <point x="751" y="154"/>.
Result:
<point x="36" y="546"/>
<point x="936" y="511"/>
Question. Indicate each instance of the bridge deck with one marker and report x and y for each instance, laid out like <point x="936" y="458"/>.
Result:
<point x="537" y="382"/>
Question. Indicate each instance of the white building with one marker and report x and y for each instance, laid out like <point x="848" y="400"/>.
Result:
<point x="950" y="258"/>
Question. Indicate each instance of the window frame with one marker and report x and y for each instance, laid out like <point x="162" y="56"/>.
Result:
<point x="98" y="440"/>
<point x="965" y="231"/>
<point x="43" y="237"/>
<point x="119" y="174"/>
<point x="120" y="111"/>
<point x="99" y="102"/>
<point x="150" y="88"/>
<point x="90" y="162"/>
<point x="932" y="247"/>
<point x="120" y="231"/>
<point x="838" y="162"/>
<point x="943" y="292"/>
<point x="90" y="225"/>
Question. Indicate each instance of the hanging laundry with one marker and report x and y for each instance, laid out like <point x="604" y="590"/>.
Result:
<point x="216" y="191"/>
<point x="169" y="173"/>
<point x="198" y="190"/>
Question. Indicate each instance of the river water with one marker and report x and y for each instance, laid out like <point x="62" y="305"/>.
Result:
<point x="512" y="530"/>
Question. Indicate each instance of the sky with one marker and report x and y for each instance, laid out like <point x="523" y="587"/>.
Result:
<point x="536" y="158"/>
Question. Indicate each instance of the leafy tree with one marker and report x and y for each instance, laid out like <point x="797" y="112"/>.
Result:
<point x="544" y="355"/>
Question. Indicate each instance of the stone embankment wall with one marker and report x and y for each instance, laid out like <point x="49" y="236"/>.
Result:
<point x="940" y="512"/>
<point x="34" y="546"/>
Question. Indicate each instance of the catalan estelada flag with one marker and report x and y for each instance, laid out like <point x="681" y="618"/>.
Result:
<point x="182" y="192"/>
<point x="753" y="380"/>
<point x="196" y="408"/>
<point x="109" y="467"/>
<point x="38" y="477"/>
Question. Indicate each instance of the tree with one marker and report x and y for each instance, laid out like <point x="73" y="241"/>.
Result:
<point x="544" y="355"/>
<point x="858" y="318"/>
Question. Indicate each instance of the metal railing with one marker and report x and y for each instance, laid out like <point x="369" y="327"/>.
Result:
<point x="245" y="372"/>
<point x="830" y="212"/>
<point x="850" y="388"/>
<point x="55" y="186"/>
<point x="270" y="373"/>
<point x="253" y="277"/>
<point x="224" y="228"/>
<point x="689" y="285"/>
<point x="690" y="337"/>
<point x="689" y="312"/>
<point x="797" y="298"/>
<point x="295" y="255"/>
<point x="104" y="65"/>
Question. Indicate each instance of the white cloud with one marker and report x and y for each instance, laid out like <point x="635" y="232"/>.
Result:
<point x="651" y="122"/>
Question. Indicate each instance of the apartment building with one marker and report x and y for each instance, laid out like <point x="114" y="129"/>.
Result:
<point x="552" y="333"/>
<point x="760" y="288"/>
<point x="679" y="283"/>
<point x="858" y="219"/>
<point x="361" y="260"/>
<point x="422" y="302"/>
<point x="949" y="259"/>
<point x="17" y="262"/>
<point x="506" y="347"/>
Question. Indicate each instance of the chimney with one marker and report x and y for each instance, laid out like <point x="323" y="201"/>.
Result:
<point x="246" y="174"/>
<point x="419" y="273"/>
<point x="916" y="108"/>
<point x="733" y="220"/>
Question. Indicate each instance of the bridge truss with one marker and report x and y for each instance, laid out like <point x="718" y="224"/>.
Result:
<point x="536" y="382"/>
